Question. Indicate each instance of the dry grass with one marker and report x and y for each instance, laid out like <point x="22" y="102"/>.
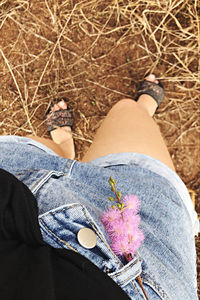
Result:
<point x="95" y="52"/>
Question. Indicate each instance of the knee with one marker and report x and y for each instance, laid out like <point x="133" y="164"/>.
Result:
<point x="125" y="103"/>
<point x="128" y="106"/>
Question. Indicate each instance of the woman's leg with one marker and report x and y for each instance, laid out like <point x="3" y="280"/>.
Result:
<point x="62" y="141"/>
<point x="129" y="127"/>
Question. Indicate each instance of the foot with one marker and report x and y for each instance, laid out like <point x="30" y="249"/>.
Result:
<point x="146" y="101"/>
<point x="61" y="134"/>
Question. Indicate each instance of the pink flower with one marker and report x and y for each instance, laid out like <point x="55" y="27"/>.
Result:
<point x="132" y="203"/>
<point x="110" y="216"/>
<point x="136" y="240"/>
<point x="132" y="225"/>
<point x="120" y="246"/>
<point x="122" y="225"/>
<point x="127" y="243"/>
<point x="130" y="217"/>
<point x="116" y="228"/>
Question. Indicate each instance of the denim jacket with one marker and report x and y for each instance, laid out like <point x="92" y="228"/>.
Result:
<point x="72" y="195"/>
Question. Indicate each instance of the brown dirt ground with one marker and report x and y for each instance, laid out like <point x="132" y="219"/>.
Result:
<point x="95" y="53"/>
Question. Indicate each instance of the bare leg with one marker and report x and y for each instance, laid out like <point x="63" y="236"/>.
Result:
<point x="62" y="141"/>
<point x="129" y="127"/>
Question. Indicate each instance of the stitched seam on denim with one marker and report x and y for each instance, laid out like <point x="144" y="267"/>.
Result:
<point x="127" y="279"/>
<point x="65" y="243"/>
<point x="69" y="168"/>
<point x="141" y="294"/>
<point x="42" y="180"/>
<point x="155" y="286"/>
<point x="126" y="269"/>
<point x="160" y="293"/>
<point x="38" y="147"/>
<point x="106" y="244"/>
<point x="135" y="287"/>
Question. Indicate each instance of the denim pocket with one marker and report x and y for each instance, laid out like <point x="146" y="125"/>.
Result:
<point x="60" y="228"/>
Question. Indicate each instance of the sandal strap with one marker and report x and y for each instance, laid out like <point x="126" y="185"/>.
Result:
<point x="152" y="89"/>
<point x="59" y="118"/>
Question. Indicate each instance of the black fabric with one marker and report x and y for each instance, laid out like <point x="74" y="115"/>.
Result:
<point x="32" y="270"/>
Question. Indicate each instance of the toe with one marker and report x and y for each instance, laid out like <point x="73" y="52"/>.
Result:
<point x="56" y="107"/>
<point x="152" y="78"/>
<point x="62" y="104"/>
<point x="59" y="105"/>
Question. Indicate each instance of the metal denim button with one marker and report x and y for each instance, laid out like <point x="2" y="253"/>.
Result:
<point x="87" y="238"/>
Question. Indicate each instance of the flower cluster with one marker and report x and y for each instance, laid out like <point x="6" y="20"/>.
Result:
<point x="122" y="223"/>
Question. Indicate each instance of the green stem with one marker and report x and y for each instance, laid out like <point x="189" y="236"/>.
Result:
<point x="118" y="199"/>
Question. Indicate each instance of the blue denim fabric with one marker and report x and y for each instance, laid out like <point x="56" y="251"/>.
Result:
<point x="72" y="195"/>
